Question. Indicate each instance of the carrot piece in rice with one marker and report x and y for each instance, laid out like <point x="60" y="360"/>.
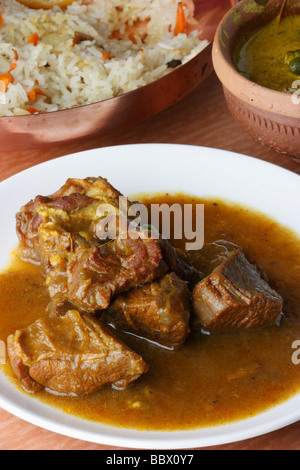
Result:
<point x="32" y="110"/>
<point x="32" y="95"/>
<point x="13" y="64"/>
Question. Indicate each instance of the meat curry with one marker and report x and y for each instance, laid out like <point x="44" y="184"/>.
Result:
<point x="178" y="358"/>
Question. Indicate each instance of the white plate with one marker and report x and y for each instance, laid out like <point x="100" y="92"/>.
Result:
<point x="152" y="168"/>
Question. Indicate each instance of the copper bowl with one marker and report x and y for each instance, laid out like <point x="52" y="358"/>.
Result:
<point x="102" y="118"/>
<point x="271" y="117"/>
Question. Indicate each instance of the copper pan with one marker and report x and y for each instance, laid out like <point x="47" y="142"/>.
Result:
<point x="102" y="118"/>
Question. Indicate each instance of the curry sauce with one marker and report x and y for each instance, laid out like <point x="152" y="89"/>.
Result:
<point x="212" y="379"/>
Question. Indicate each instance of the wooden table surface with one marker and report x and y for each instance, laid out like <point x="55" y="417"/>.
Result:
<point x="201" y="118"/>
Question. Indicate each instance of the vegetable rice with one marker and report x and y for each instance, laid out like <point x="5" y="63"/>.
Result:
<point x="87" y="52"/>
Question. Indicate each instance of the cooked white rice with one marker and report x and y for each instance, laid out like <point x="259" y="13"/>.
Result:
<point x="74" y="75"/>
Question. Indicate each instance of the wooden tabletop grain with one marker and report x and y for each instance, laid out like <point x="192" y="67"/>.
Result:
<point x="201" y="118"/>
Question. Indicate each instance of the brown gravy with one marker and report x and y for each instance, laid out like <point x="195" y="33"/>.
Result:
<point x="211" y="380"/>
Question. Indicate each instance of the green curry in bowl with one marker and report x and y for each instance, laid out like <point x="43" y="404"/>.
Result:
<point x="270" y="55"/>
